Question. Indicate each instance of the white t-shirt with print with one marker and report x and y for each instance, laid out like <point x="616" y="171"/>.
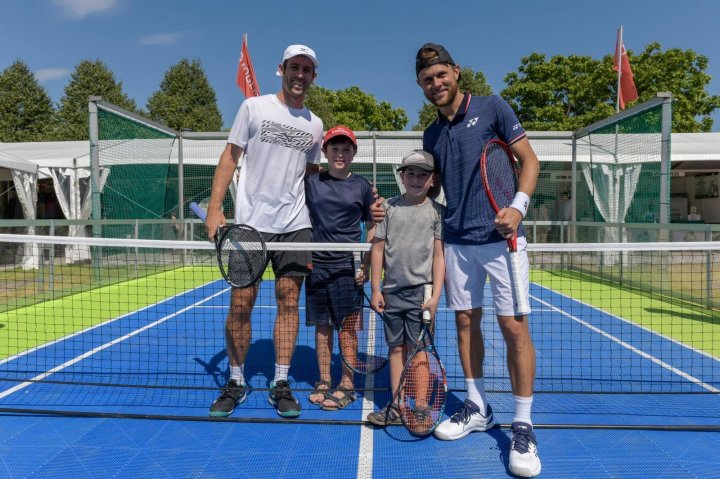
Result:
<point x="278" y="142"/>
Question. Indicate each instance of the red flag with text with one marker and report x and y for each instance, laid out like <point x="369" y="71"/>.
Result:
<point x="626" y="91"/>
<point x="246" y="74"/>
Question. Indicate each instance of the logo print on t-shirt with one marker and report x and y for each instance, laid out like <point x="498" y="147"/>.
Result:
<point x="286" y="136"/>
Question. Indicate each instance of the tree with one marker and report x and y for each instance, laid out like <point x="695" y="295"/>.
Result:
<point x="470" y="81"/>
<point x="566" y="93"/>
<point x="26" y="110"/>
<point x="681" y="72"/>
<point x="185" y="99"/>
<point x="355" y="109"/>
<point x="90" y="78"/>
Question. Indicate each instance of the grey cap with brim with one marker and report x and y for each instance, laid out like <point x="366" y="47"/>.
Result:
<point x="419" y="158"/>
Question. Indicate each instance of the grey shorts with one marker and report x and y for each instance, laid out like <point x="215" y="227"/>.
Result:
<point x="403" y="316"/>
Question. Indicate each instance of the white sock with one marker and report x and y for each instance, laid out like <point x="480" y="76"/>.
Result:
<point x="238" y="373"/>
<point x="476" y="393"/>
<point x="522" y="409"/>
<point x="281" y="372"/>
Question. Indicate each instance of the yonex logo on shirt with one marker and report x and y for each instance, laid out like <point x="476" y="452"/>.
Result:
<point x="472" y="122"/>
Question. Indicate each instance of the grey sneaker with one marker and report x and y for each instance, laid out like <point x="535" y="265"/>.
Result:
<point x="387" y="415"/>
<point x="231" y="396"/>
<point x="283" y="400"/>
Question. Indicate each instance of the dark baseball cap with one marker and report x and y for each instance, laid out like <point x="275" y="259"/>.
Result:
<point x="442" y="57"/>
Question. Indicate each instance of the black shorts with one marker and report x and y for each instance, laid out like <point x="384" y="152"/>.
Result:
<point x="330" y="294"/>
<point x="403" y="316"/>
<point x="290" y="263"/>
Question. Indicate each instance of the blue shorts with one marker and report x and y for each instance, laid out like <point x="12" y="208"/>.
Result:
<point x="330" y="294"/>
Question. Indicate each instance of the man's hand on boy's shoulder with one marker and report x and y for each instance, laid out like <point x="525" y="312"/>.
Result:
<point x="377" y="211"/>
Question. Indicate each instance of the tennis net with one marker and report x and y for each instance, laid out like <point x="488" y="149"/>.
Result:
<point x="140" y="326"/>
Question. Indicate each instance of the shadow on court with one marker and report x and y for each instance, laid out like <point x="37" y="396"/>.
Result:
<point x="709" y="316"/>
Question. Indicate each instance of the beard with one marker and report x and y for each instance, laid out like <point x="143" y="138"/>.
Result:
<point x="452" y="91"/>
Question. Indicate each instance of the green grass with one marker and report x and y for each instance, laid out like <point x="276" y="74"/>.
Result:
<point x="29" y="326"/>
<point x="688" y="323"/>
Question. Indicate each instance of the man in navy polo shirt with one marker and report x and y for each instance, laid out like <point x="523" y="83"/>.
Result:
<point x="475" y="246"/>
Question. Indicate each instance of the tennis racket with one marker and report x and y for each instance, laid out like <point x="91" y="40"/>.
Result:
<point x="499" y="172"/>
<point x="241" y="252"/>
<point x="423" y="383"/>
<point x="362" y="342"/>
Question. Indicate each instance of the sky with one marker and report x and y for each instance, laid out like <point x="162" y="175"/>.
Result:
<point x="370" y="44"/>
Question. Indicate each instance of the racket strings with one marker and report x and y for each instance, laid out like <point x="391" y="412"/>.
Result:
<point x="242" y="255"/>
<point x="423" y="393"/>
<point x="362" y="338"/>
<point x="501" y="175"/>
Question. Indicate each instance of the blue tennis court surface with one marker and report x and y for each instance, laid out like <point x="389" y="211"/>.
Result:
<point x="168" y="359"/>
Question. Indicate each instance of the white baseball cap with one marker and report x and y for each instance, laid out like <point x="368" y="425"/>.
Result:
<point x="295" y="50"/>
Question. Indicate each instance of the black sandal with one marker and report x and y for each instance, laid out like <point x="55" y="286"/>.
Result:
<point x="320" y="390"/>
<point x="348" y="397"/>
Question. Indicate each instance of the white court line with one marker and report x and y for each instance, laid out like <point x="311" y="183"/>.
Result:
<point x="99" y="325"/>
<point x="631" y="323"/>
<point x="632" y="348"/>
<point x="365" y="449"/>
<point x="87" y="354"/>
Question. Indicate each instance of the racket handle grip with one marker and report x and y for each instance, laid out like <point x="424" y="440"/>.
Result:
<point x="521" y="299"/>
<point x="427" y="294"/>
<point x="197" y="209"/>
<point x="357" y="264"/>
<point x="357" y="261"/>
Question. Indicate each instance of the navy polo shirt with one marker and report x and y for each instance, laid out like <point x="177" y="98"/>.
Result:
<point x="457" y="146"/>
<point x="337" y="207"/>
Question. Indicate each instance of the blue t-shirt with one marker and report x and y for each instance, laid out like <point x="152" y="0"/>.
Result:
<point x="457" y="146"/>
<point x="337" y="209"/>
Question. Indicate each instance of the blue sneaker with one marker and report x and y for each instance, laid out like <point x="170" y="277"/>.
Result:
<point x="232" y="395"/>
<point x="468" y="419"/>
<point x="283" y="400"/>
<point x="524" y="460"/>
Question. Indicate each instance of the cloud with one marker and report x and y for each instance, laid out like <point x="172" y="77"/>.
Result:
<point x="161" y="38"/>
<point x="52" y="73"/>
<point x="82" y="8"/>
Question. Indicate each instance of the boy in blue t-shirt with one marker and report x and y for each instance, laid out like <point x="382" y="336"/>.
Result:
<point x="339" y="202"/>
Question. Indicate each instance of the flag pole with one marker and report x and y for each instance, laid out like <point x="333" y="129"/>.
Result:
<point x="618" y="59"/>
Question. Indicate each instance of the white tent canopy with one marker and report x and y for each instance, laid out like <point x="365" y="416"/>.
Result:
<point x="24" y="177"/>
<point x="68" y="164"/>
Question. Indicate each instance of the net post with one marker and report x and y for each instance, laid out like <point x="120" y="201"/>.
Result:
<point x="94" y="162"/>
<point x="573" y="191"/>
<point x="96" y="213"/>
<point x="665" y="162"/>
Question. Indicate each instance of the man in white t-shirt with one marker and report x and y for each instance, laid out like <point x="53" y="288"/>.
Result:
<point x="281" y="140"/>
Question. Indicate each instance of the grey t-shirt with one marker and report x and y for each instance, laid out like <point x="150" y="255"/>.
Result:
<point x="409" y="232"/>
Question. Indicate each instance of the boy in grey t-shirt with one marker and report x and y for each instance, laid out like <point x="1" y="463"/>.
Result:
<point x="409" y="244"/>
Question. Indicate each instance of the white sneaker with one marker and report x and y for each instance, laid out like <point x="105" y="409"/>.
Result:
<point x="465" y="421"/>
<point x="524" y="459"/>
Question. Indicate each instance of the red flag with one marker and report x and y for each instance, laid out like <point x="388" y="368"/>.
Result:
<point x="626" y="85"/>
<point x="246" y="74"/>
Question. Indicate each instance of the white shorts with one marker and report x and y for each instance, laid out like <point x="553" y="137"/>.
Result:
<point x="467" y="268"/>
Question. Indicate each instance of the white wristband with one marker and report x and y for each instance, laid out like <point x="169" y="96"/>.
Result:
<point x="521" y="203"/>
